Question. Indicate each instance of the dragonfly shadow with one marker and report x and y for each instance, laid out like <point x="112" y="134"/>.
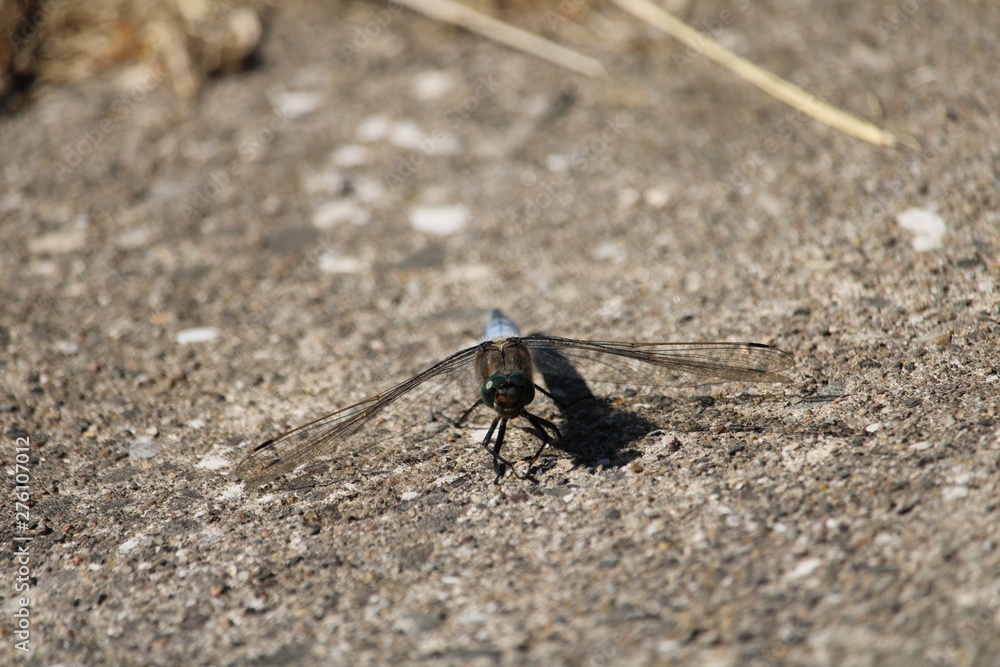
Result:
<point x="595" y="432"/>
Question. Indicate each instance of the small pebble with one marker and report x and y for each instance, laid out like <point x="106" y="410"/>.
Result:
<point x="374" y="128"/>
<point x="338" y="264"/>
<point x="294" y="104"/>
<point x="928" y="228"/>
<point x="143" y="448"/>
<point x="333" y="213"/>
<point x="439" y="220"/>
<point x="350" y="155"/>
<point x="432" y="84"/>
<point x="196" y="335"/>
<point x="57" y="243"/>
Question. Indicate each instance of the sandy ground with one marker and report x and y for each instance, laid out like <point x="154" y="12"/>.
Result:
<point x="347" y="213"/>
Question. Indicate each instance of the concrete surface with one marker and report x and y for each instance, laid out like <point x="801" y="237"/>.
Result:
<point x="347" y="213"/>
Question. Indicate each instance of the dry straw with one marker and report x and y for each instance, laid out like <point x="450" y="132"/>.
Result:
<point x="797" y="98"/>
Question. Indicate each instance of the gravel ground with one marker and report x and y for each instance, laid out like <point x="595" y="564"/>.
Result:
<point x="181" y="283"/>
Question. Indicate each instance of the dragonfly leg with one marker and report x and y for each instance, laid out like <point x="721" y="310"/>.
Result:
<point x="500" y="464"/>
<point x="549" y="394"/>
<point x="465" y="415"/>
<point x="542" y="426"/>
<point x="567" y="402"/>
<point x="560" y="402"/>
<point x="457" y="423"/>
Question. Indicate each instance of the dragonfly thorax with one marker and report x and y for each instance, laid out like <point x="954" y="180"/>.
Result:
<point x="508" y="394"/>
<point x="505" y="369"/>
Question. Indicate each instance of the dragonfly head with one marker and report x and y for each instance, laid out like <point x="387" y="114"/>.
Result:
<point x="508" y="394"/>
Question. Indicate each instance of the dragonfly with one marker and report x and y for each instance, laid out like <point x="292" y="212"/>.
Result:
<point x="503" y="367"/>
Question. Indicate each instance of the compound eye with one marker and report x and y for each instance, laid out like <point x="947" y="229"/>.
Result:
<point x="524" y="387"/>
<point x="490" y="388"/>
<point x="511" y="390"/>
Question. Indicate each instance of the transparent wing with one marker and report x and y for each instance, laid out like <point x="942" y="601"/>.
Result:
<point x="354" y="425"/>
<point x="658" y="364"/>
<point x="621" y="363"/>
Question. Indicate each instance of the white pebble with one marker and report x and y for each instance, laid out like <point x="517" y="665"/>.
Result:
<point x="133" y="238"/>
<point x="143" y="449"/>
<point x="406" y="134"/>
<point x="373" y="129"/>
<point x="556" y="163"/>
<point x="57" y="243"/>
<point x="294" y="104"/>
<point x="368" y="190"/>
<point x="927" y="226"/>
<point x="333" y="213"/>
<point x="350" y="155"/>
<point x="432" y="84"/>
<point x="627" y="198"/>
<point x="439" y="220"/>
<point x="611" y="251"/>
<point x="196" y="335"/>
<point x="954" y="492"/>
<point x="804" y="568"/>
<point x="656" y="197"/>
<point x="212" y="462"/>
<point x="329" y="181"/>
<point x="332" y="263"/>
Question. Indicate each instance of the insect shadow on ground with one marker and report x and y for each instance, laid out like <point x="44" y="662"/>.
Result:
<point x="595" y="432"/>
